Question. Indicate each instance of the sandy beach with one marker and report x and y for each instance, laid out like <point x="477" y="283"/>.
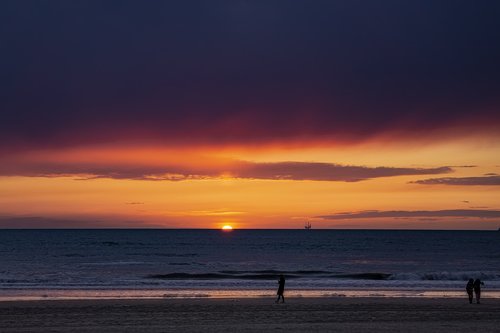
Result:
<point x="252" y="315"/>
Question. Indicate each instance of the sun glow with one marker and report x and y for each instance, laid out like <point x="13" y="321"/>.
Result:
<point x="227" y="228"/>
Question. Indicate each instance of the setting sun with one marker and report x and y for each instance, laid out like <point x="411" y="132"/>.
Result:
<point x="227" y="228"/>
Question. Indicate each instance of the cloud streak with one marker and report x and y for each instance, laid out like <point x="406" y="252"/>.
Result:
<point x="455" y="213"/>
<point x="237" y="169"/>
<point x="462" y="181"/>
<point x="40" y="222"/>
<point x="326" y="171"/>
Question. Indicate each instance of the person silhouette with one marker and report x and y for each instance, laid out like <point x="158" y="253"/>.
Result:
<point x="281" y="289"/>
<point x="477" y="289"/>
<point x="470" y="289"/>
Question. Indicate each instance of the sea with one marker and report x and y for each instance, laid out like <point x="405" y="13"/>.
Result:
<point x="192" y="263"/>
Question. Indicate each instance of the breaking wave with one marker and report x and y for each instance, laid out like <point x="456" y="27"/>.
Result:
<point x="272" y="275"/>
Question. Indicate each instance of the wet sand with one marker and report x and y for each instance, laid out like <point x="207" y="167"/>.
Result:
<point x="252" y="315"/>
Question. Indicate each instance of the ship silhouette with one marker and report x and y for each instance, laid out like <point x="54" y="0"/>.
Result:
<point x="308" y="226"/>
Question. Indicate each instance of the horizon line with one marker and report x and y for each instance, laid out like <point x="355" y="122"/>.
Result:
<point x="249" y="229"/>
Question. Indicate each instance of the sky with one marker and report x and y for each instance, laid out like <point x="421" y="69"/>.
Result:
<point x="257" y="114"/>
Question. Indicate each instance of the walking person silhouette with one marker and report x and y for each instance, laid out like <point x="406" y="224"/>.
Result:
<point x="477" y="289"/>
<point x="281" y="289"/>
<point x="470" y="289"/>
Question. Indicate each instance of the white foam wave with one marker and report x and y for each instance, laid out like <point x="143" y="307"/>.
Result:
<point x="446" y="276"/>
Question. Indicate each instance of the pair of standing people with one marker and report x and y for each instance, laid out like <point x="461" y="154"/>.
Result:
<point x="474" y="287"/>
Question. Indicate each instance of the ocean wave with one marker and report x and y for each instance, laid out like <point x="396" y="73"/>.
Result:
<point x="446" y="276"/>
<point x="363" y="276"/>
<point x="267" y="275"/>
<point x="214" y="276"/>
<point x="158" y="254"/>
<point x="273" y="274"/>
<point x="276" y="272"/>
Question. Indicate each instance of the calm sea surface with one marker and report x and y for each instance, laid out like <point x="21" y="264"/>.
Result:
<point x="210" y="263"/>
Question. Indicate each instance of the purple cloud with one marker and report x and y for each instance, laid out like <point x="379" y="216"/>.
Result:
<point x="237" y="169"/>
<point x="39" y="222"/>
<point x="327" y="171"/>
<point x="460" y="213"/>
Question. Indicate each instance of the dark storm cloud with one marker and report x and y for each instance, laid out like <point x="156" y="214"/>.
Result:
<point x="461" y="213"/>
<point x="237" y="169"/>
<point x="80" y="72"/>
<point x="464" y="181"/>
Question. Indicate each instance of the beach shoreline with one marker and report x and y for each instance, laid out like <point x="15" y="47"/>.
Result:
<point x="40" y="294"/>
<point x="301" y="314"/>
<point x="12" y="295"/>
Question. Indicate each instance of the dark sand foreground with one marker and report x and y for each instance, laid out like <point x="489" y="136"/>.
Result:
<point x="252" y="315"/>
